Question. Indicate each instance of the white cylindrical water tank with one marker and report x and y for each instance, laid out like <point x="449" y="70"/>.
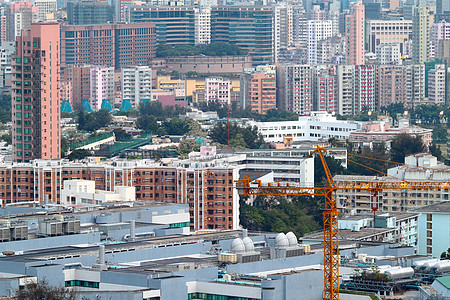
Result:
<point x="248" y="244"/>
<point x="401" y="273"/>
<point x="442" y="267"/>
<point x="292" y="238"/>
<point x="418" y="264"/>
<point x="428" y="266"/>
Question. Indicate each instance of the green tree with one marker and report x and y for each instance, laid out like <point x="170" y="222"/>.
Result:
<point x="7" y="137"/>
<point x="121" y="135"/>
<point x="403" y="145"/>
<point x="219" y="134"/>
<point x="5" y="108"/>
<point x="78" y="154"/>
<point x="177" y="126"/>
<point x="334" y="166"/>
<point x="43" y="290"/>
<point x="375" y="159"/>
<point x="187" y="146"/>
<point x="237" y="142"/>
<point x="147" y="123"/>
<point x="161" y="131"/>
<point x="435" y="150"/>
<point x="94" y="120"/>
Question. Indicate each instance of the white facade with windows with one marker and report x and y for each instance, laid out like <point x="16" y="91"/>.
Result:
<point x="102" y="86"/>
<point x="317" y="31"/>
<point x="319" y="125"/>
<point x="388" y="54"/>
<point x="136" y="84"/>
<point x="203" y="26"/>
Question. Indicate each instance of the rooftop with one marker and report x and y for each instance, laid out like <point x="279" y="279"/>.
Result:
<point x="442" y="207"/>
<point x="445" y="281"/>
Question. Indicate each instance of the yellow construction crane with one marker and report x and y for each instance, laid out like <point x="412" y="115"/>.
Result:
<point x="248" y="187"/>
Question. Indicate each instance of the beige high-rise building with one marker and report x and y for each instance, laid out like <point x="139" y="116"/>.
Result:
<point x="423" y="20"/>
<point x="379" y="32"/>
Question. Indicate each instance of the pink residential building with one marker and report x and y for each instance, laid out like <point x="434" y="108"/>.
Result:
<point x="381" y="132"/>
<point x="35" y="94"/>
<point x="390" y="85"/>
<point x="354" y="25"/>
<point x="15" y="6"/>
<point x="218" y="89"/>
<point x="364" y="88"/>
<point x="439" y="32"/>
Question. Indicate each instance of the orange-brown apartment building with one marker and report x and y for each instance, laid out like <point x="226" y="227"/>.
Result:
<point x="213" y="203"/>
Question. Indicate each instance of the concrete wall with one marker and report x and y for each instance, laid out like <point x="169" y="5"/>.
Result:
<point x="51" y="242"/>
<point x="276" y="264"/>
<point x="304" y="285"/>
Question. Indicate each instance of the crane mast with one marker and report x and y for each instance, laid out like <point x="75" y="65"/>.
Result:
<point x="331" y="257"/>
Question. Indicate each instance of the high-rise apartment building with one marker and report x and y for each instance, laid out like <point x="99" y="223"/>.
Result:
<point x="436" y="85"/>
<point x="203" y="26"/>
<point x="324" y="85"/>
<point x="218" y="90"/>
<point x="111" y="45"/>
<point x="213" y="202"/>
<point x="282" y="28"/>
<point x="120" y="9"/>
<point x="380" y="32"/>
<point x="6" y="51"/>
<point x="101" y="87"/>
<point x="390" y="85"/>
<point x="439" y="32"/>
<point x="442" y="10"/>
<point x="317" y="14"/>
<point x="317" y="31"/>
<point x="250" y="28"/>
<point x="174" y="24"/>
<point x="415" y="85"/>
<point x="354" y="26"/>
<point x="295" y="88"/>
<point x="299" y="25"/>
<point x="78" y="78"/>
<point x="423" y="19"/>
<point x="136" y="84"/>
<point x="333" y="16"/>
<point x="89" y="13"/>
<point x="262" y="92"/>
<point x="388" y="54"/>
<point x="45" y="7"/>
<point x="35" y="101"/>
<point x="345" y="89"/>
<point x="248" y="95"/>
<point x="364" y="88"/>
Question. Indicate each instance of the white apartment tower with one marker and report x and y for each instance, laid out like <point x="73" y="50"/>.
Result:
<point x="415" y="85"/>
<point x="317" y="31"/>
<point x="299" y="25"/>
<point x="282" y="28"/>
<point x="203" y="26"/>
<point x="345" y="79"/>
<point x="45" y="7"/>
<point x="102" y="86"/>
<point x="136" y="84"/>
<point x="436" y="85"/>
<point x="388" y="54"/>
